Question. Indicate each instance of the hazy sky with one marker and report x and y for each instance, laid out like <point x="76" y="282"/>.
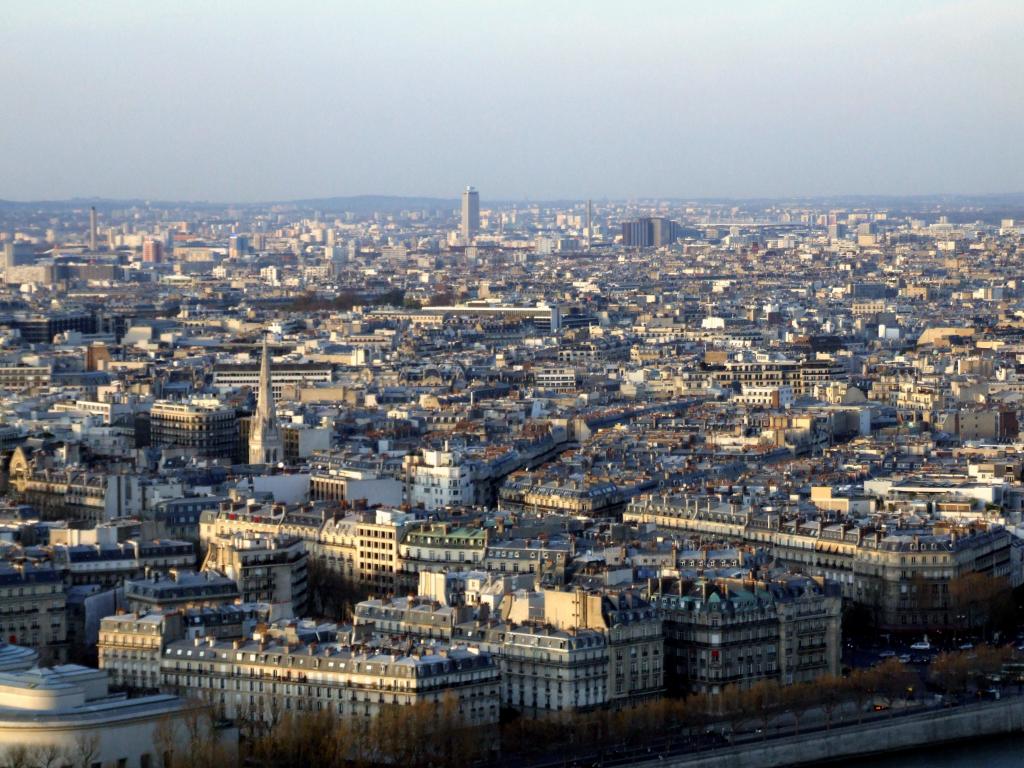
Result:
<point x="549" y="99"/>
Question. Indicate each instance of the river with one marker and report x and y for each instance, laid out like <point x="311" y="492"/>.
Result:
<point x="996" y="752"/>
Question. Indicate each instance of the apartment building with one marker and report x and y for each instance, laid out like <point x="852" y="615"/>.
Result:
<point x="544" y="669"/>
<point x="286" y="374"/>
<point x="131" y="644"/>
<point x="439" y="479"/>
<point x="180" y="588"/>
<point x="874" y="568"/>
<point x="265" y="678"/>
<point x="205" y="426"/>
<point x="727" y="632"/>
<point x="409" y="617"/>
<point x="33" y="608"/>
<point x="266" y="568"/>
<point x="434" y="546"/>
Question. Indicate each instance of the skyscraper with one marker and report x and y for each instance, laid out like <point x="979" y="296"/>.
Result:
<point x="470" y="214"/>
<point x="152" y="251"/>
<point x="649" y="231"/>
<point x="92" y="228"/>
<point x="238" y="246"/>
<point x="266" y="445"/>
<point x="590" y="223"/>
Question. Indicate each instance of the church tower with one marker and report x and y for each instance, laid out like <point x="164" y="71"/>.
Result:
<point x="266" y="445"/>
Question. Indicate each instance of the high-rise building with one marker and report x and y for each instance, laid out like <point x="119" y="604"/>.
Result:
<point x="470" y="214"/>
<point x="266" y="444"/>
<point x="152" y="251"/>
<point x="590" y="223"/>
<point x="18" y="254"/>
<point x="92" y="228"/>
<point x="238" y="245"/>
<point x="649" y="232"/>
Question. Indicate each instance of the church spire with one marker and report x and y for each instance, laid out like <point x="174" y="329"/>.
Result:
<point x="265" y="396"/>
<point x="266" y="445"/>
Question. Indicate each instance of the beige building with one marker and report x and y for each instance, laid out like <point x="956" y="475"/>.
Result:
<point x="267" y="569"/>
<point x="730" y="632"/>
<point x="206" y="427"/>
<point x="630" y="626"/>
<point x="131" y="644"/>
<point x="265" y="678"/>
<point x="33" y="609"/>
<point x="544" y="669"/>
<point x="69" y="712"/>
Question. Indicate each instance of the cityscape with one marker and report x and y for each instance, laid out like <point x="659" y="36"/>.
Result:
<point x="473" y="477"/>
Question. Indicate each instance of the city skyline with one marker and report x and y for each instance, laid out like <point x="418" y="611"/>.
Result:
<point x="741" y="102"/>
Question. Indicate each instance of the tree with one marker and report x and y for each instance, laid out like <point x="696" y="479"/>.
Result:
<point x="981" y="601"/>
<point x="894" y="680"/>
<point x="17" y="756"/>
<point x="862" y="686"/>
<point x="765" y="697"/>
<point x="442" y="299"/>
<point x="949" y="671"/>
<point x="48" y="756"/>
<point x="797" y="699"/>
<point x="735" y="706"/>
<point x="830" y="691"/>
<point x="86" y="750"/>
<point x="985" y="661"/>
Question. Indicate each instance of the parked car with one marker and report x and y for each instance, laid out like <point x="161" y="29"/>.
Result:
<point x="922" y="645"/>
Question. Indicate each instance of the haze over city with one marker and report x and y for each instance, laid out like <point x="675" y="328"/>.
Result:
<point x="261" y="101"/>
<point x="511" y="385"/>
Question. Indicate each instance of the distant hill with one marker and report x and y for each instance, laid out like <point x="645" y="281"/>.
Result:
<point x="355" y="203"/>
<point x="1010" y="204"/>
<point x="369" y="203"/>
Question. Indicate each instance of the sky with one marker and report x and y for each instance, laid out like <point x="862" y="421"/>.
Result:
<point x="253" y="101"/>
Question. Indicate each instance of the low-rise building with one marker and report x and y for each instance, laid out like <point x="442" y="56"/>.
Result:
<point x="69" y="710"/>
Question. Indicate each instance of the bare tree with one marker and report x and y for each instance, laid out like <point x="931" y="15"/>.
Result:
<point x="49" y="756"/>
<point x="830" y="692"/>
<point x="165" y="738"/>
<point x="18" y="756"/>
<point x="86" y="750"/>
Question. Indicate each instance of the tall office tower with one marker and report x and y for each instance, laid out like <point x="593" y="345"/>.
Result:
<point x="266" y="445"/>
<point x="590" y="223"/>
<point x="238" y="245"/>
<point x="470" y="214"/>
<point x="152" y="251"/>
<point x="92" y="228"/>
<point x="17" y="254"/>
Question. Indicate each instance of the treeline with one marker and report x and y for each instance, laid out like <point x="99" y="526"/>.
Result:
<point x="430" y="735"/>
<point x="346" y="300"/>
<point x="417" y="736"/>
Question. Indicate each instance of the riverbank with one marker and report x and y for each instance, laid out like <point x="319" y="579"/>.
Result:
<point x="879" y="737"/>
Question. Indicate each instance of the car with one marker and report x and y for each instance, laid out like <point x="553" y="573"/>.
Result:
<point x="922" y="645"/>
<point x="904" y="658"/>
<point x="881" y="707"/>
<point x="886" y="654"/>
<point x="967" y="647"/>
